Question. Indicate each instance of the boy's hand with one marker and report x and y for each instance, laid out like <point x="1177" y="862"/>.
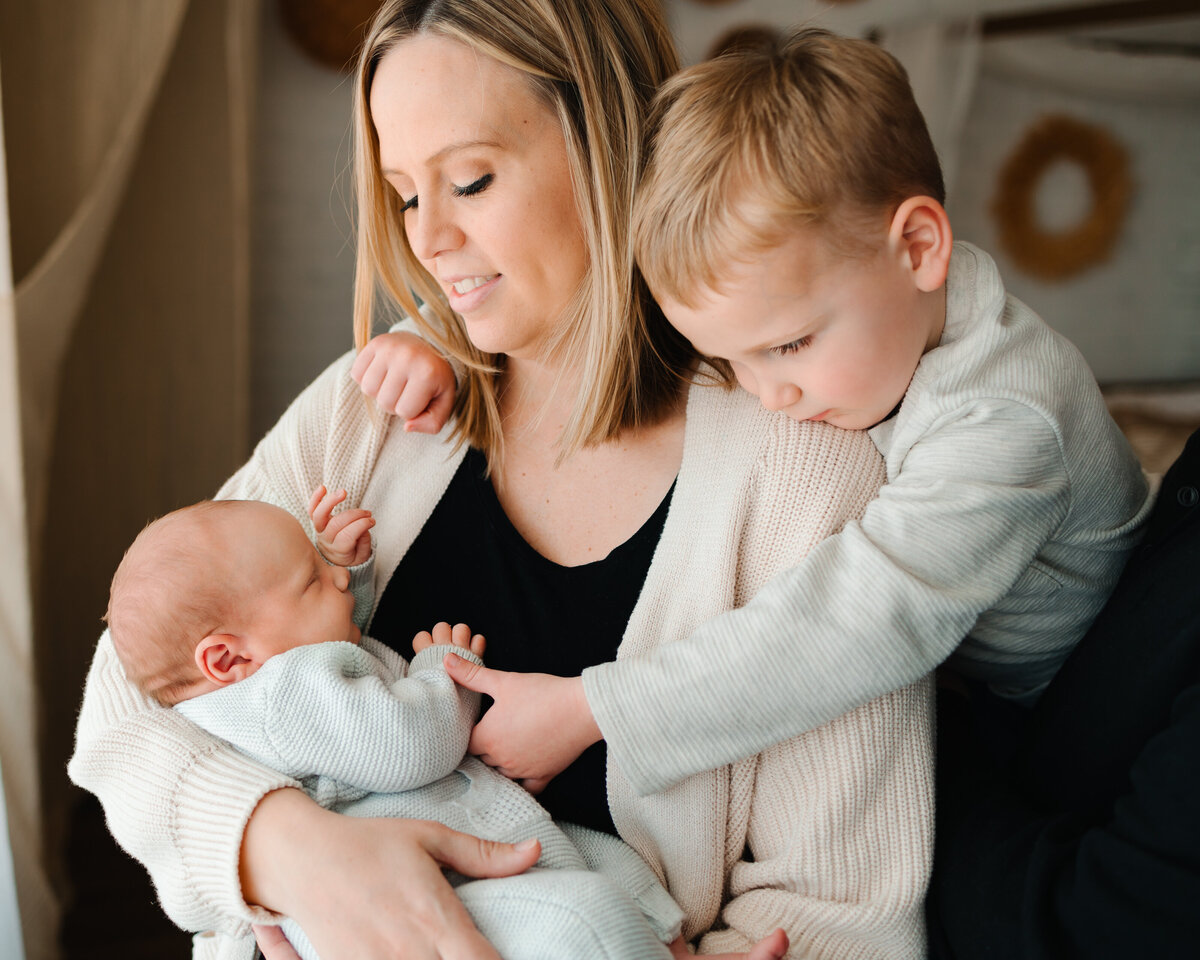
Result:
<point x="537" y="726"/>
<point x="346" y="538"/>
<point x="408" y="378"/>
<point x="457" y="636"/>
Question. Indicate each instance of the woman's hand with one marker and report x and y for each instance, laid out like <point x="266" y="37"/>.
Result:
<point x="369" y="889"/>
<point x="537" y="726"/>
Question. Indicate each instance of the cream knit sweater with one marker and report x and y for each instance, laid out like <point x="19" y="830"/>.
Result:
<point x="838" y="822"/>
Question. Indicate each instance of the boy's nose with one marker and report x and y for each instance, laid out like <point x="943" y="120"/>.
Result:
<point x="777" y="396"/>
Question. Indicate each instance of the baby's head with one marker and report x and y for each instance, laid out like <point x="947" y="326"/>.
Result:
<point x="790" y="222"/>
<point x="207" y="594"/>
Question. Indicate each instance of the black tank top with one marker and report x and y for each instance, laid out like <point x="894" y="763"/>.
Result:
<point x="470" y="565"/>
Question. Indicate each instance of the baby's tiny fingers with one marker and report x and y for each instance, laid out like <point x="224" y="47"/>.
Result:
<point x="478" y="644"/>
<point x="421" y="641"/>
<point x="460" y="636"/>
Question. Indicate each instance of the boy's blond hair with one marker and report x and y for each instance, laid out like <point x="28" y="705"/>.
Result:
<point x="813" y="129"/>
<point x="173" y="587"/>
<point x="596" y="64"/>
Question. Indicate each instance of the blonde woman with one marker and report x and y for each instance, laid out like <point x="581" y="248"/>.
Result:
<point x="584" y="491"/>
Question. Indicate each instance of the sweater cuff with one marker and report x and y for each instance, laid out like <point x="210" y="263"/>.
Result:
<point x="431" y="657"/>
<point x="215" y="799"/>
<point x="621" y="713"/>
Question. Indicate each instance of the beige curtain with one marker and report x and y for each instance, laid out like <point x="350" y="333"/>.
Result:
<point x="125" y="321"/>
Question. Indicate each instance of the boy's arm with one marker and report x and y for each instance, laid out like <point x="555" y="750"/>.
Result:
<point x="329" y="713"/>
<point x="869" y="610"/>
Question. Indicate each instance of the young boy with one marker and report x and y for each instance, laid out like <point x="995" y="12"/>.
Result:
<point x="790" y="223"/>
<point x="226" y="611"/>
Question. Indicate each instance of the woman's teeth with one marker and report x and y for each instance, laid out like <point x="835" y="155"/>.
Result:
<point x="466" y="286"/>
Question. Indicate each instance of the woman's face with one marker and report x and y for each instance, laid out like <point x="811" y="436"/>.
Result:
<point x="480" y="164"/>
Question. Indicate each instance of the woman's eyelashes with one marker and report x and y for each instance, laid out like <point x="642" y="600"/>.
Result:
<point x="474" y="187"/>
<point x="469" y="190"/>
<point x="793" y="346"/>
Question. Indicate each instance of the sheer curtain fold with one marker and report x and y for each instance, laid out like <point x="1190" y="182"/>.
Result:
<point x="110" y="111"/>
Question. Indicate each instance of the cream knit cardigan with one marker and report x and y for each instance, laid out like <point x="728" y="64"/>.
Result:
<point x="838" y="822"/>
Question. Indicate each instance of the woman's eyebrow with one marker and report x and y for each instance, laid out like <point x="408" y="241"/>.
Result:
<point x="444" y="152"/>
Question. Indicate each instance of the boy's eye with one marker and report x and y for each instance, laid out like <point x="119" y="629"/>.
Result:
<point x="410" y="204"/>
<point x="792" y="347"/>
<point x="474" y="187"/>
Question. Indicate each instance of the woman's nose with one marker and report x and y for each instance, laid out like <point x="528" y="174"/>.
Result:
<point x="431" y="230"/>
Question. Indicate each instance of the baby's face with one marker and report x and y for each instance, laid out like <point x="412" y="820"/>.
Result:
<point x="296" y="598"/>
<point x="813" y="334"/>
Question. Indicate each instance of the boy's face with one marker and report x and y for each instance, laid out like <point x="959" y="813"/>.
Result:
<point x="817" y="335"/>
<point x="295" y="597"/>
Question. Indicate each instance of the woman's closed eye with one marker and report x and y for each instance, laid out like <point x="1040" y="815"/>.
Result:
<point x="474" y="187"/>
<point x="469" y="190"/>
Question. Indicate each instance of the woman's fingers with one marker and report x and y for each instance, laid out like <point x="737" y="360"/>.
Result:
<point x="474" y="857"/>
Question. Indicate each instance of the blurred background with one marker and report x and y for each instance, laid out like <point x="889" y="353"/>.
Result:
<point x="178" y="264"/>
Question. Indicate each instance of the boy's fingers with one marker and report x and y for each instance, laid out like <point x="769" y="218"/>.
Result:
<point x="469" y="675"/>
<point x="460" y="636"/>
<point x="478" y="645"/>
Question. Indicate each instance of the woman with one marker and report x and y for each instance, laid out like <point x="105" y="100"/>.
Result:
<point x="497" y="152"/>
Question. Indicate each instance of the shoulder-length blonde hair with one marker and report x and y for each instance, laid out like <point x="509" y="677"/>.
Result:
<point x="597" y="64"/>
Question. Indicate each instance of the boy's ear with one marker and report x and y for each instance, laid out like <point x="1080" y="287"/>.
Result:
<point x="224" y="659"/>
<point x="921" y="233"/>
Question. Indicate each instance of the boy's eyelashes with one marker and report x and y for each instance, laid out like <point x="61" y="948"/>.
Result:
<point x="469" y="190"/>
<point x="797" y="344"/>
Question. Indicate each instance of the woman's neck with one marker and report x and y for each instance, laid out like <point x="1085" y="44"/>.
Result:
<point x="536" y="398"/>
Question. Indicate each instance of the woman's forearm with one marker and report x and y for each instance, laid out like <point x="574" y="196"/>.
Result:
<point x="174" y="797"/>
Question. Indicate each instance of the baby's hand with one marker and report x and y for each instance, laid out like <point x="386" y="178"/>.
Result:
<point x="443" y="634"/>
<point x="407" y="377"/>
<point x="346" y="538"/>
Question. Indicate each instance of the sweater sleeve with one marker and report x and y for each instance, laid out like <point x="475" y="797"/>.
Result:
<point x="175" y="797"/>
<point x="326" y="717"/>
<point x="869" y="610"/>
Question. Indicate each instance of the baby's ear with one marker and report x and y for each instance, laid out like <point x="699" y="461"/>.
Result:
<point x="920" y="232"/>
<point x="223" y="659"/>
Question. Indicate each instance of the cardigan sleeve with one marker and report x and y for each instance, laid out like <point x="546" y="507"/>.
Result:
<point x="176" y="798"/>
<point x="870" y="609"/>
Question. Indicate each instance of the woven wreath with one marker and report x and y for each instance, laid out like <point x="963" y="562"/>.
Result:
<point x="1055" y="255"/>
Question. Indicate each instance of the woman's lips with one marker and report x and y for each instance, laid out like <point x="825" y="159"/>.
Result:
<point x="466" y="293"/>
